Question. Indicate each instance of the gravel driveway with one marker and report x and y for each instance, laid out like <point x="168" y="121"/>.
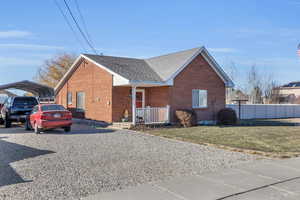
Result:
<point x="55" y="165"/>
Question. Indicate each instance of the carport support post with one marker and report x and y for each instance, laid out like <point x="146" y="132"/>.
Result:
<point x="133" y="99"/>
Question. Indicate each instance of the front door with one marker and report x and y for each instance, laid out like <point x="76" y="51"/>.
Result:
<point x="140" y="98"/>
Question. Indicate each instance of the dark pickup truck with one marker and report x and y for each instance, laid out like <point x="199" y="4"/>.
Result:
<point x="15" y="109"/>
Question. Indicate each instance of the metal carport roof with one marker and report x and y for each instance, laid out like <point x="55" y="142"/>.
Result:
<point x="37" y="89"/>
<point x="10" y="94"/>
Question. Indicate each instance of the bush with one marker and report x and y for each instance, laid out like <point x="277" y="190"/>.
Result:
<point x="227" y="116"/>
<point x="187" y="118"/>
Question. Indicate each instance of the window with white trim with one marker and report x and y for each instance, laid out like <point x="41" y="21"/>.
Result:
<point x="69" y="98"/>
<point x="80" y="101"/>
<point x="199" y="98"/>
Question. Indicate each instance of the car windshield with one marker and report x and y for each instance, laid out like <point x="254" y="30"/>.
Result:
<point x="25" y="101"/>
<point x="52" y="107"/>
<point x="2" y="99"/>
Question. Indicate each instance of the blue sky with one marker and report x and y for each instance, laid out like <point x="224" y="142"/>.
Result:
<point x="264" y="33"/>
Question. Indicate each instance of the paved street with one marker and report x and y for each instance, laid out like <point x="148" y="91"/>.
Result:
<point x="268" y="180"/>
<point x="87" y="161"/>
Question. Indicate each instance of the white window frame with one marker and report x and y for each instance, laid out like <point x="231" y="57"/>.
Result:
<point x="200" y="92"/>
<point x="69" y="100"/>
<point x="83" y="101"/>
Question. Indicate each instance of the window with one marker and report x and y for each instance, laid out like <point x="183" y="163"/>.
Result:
<point x="80" y="101"/>
<point x="35" y="109"/>
<point x="25" y="101"/>
<point x="199" y="98"/>
<point x="8" y="101"/>
<point x="69" y="98"/>
<point x="52" y="107"/>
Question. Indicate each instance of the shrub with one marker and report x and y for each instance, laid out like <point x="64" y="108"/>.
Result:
<point x="187" y="118"/>
<point x="227" y="116"/>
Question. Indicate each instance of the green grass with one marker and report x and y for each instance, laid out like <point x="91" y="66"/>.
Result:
<point x="270" y="139"/>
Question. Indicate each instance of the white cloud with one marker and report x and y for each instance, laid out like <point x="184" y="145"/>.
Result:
<point x="14" y="34"/>
<point x="222" y="50"/>
<point x="14" y="61"/>
<point x="31" y="60"/>
<point x="31" y="46"/>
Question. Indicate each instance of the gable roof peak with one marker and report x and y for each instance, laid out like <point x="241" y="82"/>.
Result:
<point x="158" y="69"/>
<point x="178" y="52"/>
<point x="166" y="65"/>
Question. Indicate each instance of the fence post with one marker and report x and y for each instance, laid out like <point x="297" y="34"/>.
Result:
<point x="133" y="102"/>
<point x="168" y="113"/>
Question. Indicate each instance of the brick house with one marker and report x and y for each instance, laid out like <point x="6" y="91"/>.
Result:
<point x="114" y="89"/>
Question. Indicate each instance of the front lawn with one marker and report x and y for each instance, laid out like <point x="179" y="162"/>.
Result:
<point x="278" y="141"/>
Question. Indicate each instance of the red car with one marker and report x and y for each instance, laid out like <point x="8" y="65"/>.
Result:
<point x="48" y="116"/>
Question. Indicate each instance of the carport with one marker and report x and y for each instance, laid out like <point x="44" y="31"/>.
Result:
<point x="37" y="89"/>
<point x="10" y="94"/>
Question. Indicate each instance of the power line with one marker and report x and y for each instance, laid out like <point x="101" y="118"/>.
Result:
<point x="83" y="23"/>
<point x="78" y="27"/>
<point x="69" y="24"/>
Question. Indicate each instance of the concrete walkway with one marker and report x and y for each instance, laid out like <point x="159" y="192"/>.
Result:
<point x="274" y="179"/>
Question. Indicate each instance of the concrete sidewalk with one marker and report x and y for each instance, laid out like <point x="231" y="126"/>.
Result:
<point x="274" y="179"/>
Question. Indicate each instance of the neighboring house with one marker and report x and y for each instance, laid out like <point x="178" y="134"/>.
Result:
<point x="109" y="88"/>
<point x="289" y="93"/>
<point x="233" y="95"/>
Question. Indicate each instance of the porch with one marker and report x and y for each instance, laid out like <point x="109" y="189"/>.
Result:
<point x="149" y="114"/>
<point x="141" y="105"/>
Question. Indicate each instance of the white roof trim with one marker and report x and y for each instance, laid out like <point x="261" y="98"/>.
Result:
<point x="73" y="68"/>
<point x="203" y="51"/>
<point x="185" y="64"/>
<point x="103" y="67"/>
<point x="58" y="86"/>
<point x="213" y="63"/>
<point x="153" y="83"/>
<point x="120" y="80"/>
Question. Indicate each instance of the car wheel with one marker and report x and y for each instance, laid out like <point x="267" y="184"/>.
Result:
<point x="1" y="121"/>
<point x="27" y="125"/>
<point x="37" y="130"/>
<point x="7" y="123"/>
<point x="67" y="129"/>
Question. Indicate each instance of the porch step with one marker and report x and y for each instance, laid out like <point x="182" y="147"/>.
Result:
<point x="120" y="125"/>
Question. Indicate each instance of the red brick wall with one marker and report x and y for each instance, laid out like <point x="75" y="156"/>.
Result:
<point x="154" y="96"/>
<point x="120" y="102"/>
<point x="97" y="85"/>
<point x="198" y="75"/>
<point x="107" y="103"/>
<point x="158" y="96"/>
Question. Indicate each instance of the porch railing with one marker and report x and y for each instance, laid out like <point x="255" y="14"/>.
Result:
<point x="153" y="115"/>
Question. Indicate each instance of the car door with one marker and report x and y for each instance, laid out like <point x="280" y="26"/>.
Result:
<point x="33" y="115"/>
<point x="4" y="110"/>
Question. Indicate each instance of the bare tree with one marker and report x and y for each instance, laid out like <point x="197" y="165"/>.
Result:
<point x="53" y="69"/>
<point x="270" y="90"/>
<point x="254" y="85"/>
<point x="262" y="88"/>
<point x="230" y="92"/>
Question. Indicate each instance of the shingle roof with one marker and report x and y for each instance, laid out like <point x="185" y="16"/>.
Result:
<point x="166" y="65"/>
<point x="157" y="69"/>
<point x="130" y="68"/>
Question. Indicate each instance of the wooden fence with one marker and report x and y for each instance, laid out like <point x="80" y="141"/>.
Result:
<point x="267" y="111"/>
